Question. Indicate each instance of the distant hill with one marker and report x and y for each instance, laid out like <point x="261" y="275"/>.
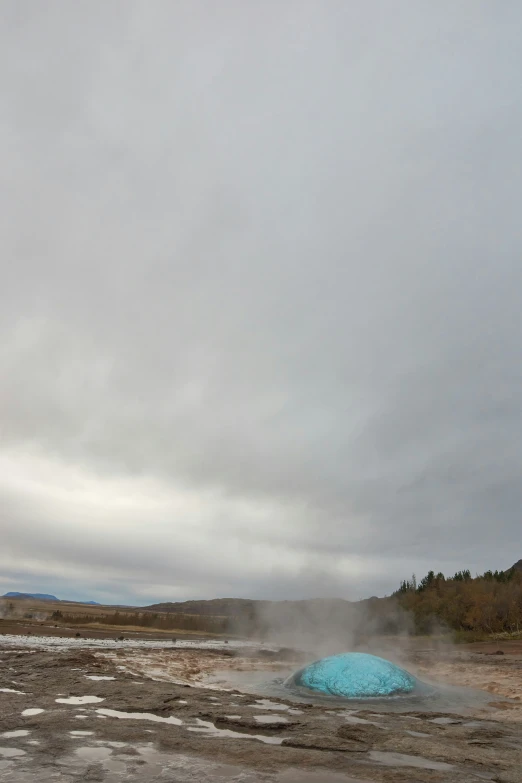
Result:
<point x="218" y="607"/>
<point x="40" y="596"/>
<point x="516" y="566"/>
<point x="233" y="607"/>
<point x="46" y="597"/>
<point x="285" y="618"/>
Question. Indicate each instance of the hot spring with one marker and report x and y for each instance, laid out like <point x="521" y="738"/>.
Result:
<point x="351" y="679"/>
<point x="356" y="675"/>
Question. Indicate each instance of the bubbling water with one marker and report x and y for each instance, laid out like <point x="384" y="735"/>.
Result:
<point x="353" y="691"/>
<point x="356" y="676"/>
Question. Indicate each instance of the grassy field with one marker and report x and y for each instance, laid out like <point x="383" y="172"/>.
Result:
<point x="142" y="629"/>
<point x="33" y="614"/>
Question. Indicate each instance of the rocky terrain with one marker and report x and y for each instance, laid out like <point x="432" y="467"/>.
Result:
<point x="108" y="715"/>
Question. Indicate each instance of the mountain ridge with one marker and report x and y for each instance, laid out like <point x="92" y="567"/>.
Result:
<point x="46" y="597"/>
<point x="39" y="596"/>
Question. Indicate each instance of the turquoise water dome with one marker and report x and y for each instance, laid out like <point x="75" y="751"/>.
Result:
<point x="356" y="675"/>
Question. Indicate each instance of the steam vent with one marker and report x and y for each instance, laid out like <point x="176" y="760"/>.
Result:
<point x="355" y="676"/>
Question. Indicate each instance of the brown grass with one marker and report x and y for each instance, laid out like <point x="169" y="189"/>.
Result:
<point x="37" y="613"/>
<point x="144" y="629"/>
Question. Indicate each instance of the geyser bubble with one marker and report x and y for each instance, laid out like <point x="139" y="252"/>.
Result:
<point x="355" y="676"/>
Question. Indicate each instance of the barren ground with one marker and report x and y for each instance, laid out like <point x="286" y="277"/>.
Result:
<point x="165" y="715"/>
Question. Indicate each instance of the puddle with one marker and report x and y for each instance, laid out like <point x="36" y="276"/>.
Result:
<point x="81" y="717"/>
<point x="112" y="743"/>
<point x="10" y="690"/>
<point x="93" y="754"/>
<point x="98" y="677"/>
<point x="350" y="717"/>
<point x="233" y="717"/>
<point x="104" y="713"/>
<point x="152" y="764"/>
<point x="80" y="700"/>
<point x="13" y="734"/>
<point x="178" y="767"/>
<point x="390" y="759"/>
<point x="81" y="733"/>
<point x="117" y="765"/>
<point x="181" y="701"/>
<point x="32" y="711"/>
<point x="444" y="721"/>
<point x="208" y="729"/>
<point x="33" y="742"/>
<point x="266" y="704"/>
<point x="355" y="719"/>
<point x="270" y="719"/>
<point x="417" y="733"/>
<point x="11" y="753"/>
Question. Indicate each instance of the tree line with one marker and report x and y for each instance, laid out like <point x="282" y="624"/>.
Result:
<point x="489" y="603"/>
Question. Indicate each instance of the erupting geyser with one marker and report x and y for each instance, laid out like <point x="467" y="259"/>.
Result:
<point x="355" y="676"/>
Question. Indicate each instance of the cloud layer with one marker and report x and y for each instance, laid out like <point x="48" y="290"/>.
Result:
<point x="261" y="294"/>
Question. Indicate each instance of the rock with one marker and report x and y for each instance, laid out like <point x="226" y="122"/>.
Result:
<point x="314" y="742"/>
<point x="365" y="735"/>
<point x="251" y="725"/>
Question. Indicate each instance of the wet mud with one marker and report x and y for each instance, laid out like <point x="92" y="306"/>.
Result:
<point x="140" y="714"/>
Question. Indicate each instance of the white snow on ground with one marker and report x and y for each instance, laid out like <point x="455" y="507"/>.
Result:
<point x="63" y="642"/>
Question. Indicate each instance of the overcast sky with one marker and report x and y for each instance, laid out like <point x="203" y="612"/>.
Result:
<point x="261" y="295"/>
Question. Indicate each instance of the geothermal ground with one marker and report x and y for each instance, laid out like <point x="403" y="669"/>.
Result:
<point x="102" y="710"/>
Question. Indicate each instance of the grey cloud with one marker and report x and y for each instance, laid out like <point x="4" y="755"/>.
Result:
<point x="267" y="256"/>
